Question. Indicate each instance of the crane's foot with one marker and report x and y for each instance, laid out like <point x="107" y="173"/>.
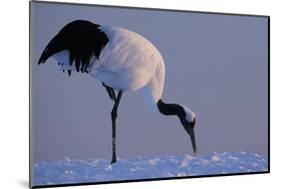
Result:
<point x="113" y="160"/>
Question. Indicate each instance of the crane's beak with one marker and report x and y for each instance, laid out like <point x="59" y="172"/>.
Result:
<point x="190" y="130"/>
<point x="193" y="141"/>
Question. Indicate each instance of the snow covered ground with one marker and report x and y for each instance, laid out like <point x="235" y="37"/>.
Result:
<point x="94" y="170"/>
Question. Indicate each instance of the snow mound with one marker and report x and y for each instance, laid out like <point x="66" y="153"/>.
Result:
<point x="69" y="171"/>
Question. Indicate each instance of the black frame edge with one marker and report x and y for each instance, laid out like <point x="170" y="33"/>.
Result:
<point x="268" y="75"/>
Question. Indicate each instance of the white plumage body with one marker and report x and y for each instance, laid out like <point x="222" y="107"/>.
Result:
<point x="129" y="62"/>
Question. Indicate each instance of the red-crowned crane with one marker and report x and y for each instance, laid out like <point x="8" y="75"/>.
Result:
<point x="122" y="60"/>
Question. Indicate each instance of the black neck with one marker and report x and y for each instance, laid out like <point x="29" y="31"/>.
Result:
<point x="171" y="109"/>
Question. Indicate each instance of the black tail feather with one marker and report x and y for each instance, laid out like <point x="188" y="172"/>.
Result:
<point x="83" y="39"/>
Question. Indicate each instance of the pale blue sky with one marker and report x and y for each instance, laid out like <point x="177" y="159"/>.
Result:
<point x="215" y="64"/>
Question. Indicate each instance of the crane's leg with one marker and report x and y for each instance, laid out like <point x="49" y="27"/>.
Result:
<point x="113" y="118"/>
<point x="110" y="92"/>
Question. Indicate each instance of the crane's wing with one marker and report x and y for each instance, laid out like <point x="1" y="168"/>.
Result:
<point x="82" y="39"/>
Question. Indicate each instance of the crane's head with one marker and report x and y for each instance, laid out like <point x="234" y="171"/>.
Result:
<point x="188" y="121"/>
<point x="186" y="116"/>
